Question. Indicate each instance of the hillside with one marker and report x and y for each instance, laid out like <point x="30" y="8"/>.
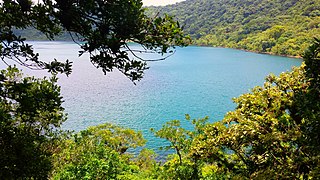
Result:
<point x="35" y="35"/>
<point x="282" y="27"/>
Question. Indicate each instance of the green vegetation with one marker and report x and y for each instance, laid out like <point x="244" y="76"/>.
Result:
<point x="97" y="152"/>
<point x="30" y="111"/>
<point x="282" y="27"/>
<point x="272" y="134"/>
<point x="103" y="28"/>
<point x="30" y="108"/>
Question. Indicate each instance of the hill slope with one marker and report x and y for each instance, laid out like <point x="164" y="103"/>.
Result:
<point x="282" y="27"/>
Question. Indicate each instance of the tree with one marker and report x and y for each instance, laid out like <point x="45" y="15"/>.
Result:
<point x="30" y="112"/>
<point x="182" y="165"/>
<point x="97" y="153"/>
<point x="260" y="25"/>
<point x="274" y="131"/>
<point x="104" y="27"/>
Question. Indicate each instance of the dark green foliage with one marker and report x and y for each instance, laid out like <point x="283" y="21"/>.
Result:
<point x="31" y="111"/>
<point x="103" y="27"/>
<point x="30" y="114"/>
<point x="21" y="15"/>
<point x="283" y="27"/>
<point x="312" y="61"/>
<point x="272" y="134"/>
<point x="274" y="131"/>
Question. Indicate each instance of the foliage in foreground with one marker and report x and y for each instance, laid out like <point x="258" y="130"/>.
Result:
<point x="274" y="131"/>
<point x="272" y="134"/>
<point x="30" y="108"/>
<point x="102" y="29"/>
<point x="30" y="114"/>
<point x="97" y="152"/>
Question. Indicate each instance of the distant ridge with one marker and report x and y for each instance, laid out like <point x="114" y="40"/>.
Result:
<point x="282" y="27"/>
<point x="32" y="34"/>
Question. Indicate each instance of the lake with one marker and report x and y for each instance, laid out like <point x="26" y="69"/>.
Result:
<point x="200" y="81"/>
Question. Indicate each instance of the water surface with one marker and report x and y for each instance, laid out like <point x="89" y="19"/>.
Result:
<point x="200" y="81"/>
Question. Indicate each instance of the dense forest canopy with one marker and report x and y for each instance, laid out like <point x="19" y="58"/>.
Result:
<point x="31" y="111"/>
<point x="273" y="133"/>
<point x="282" y="27"/>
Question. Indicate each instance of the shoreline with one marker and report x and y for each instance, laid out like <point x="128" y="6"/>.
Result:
<point x="252" y="51"/>
<point x="246" y="50"/>
<point x="272" y="54"/>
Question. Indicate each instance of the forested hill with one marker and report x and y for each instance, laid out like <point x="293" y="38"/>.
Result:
<point x="282" y="27"/>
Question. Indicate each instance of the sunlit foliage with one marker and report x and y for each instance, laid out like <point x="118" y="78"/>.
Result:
<point x="282" y="27"/>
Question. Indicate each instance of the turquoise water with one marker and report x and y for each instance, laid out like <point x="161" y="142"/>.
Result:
<point x="200" y="81"/>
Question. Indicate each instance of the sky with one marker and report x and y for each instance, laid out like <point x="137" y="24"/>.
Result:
<point x="159" y="2"/>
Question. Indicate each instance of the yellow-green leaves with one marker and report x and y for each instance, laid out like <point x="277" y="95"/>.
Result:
<point x="98" y="152"/>
<point x="274" y="130"/>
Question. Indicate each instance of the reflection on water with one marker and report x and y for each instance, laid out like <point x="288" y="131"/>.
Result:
<point x="199" y="81"/>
